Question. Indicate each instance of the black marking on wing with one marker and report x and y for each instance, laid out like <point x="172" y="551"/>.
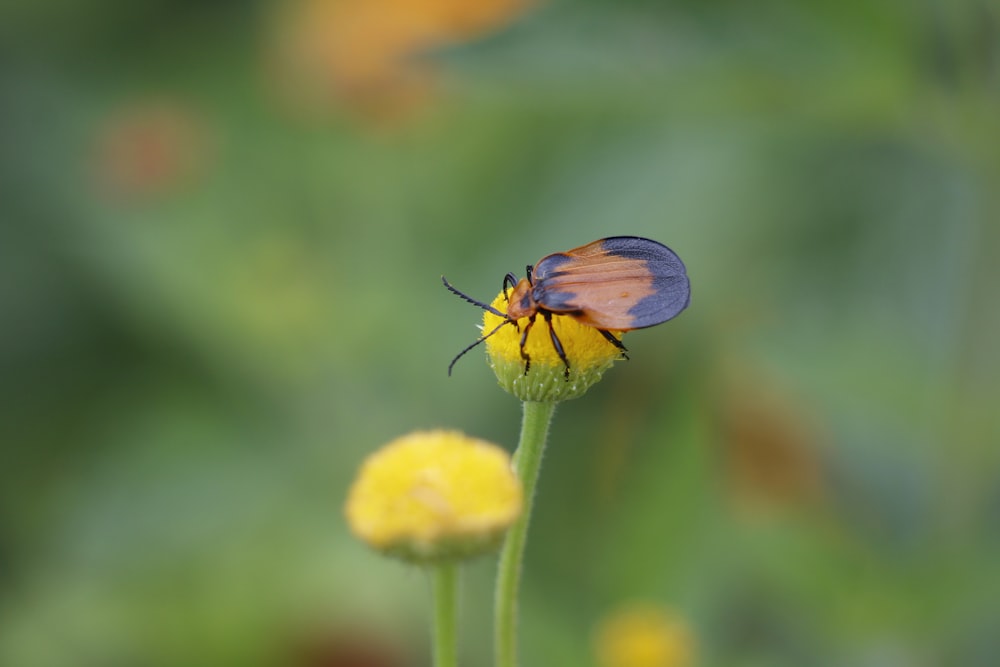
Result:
<point x="660" y="259"/>
<point x="547" y="267"/>
<point x="672" y="295"/>
<point x="558" y="299"/>
<point x="672" y="289"/>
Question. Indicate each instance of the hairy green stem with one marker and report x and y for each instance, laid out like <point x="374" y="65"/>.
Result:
<point x="446" y="615"/>
<point x="527" y="462"/>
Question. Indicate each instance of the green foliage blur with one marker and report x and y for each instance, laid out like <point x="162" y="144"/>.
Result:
<point x="220" y="289"/>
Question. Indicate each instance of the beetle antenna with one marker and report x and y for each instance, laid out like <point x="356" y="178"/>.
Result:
<point x="478" y="341"/>
<point x="468" y="298"/>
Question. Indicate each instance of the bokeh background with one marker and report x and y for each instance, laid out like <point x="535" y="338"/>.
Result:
<point x="223" y="230"/>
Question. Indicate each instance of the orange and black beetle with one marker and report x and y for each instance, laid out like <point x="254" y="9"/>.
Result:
<point x="615" y="284"/>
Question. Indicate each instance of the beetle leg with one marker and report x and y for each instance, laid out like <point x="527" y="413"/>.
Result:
<point x="614" y="341"/>
<point x="509" y="280"/>
<point x="556" y="343"/>
<point x="524" y="339"/>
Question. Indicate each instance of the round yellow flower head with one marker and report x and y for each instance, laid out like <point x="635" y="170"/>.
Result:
<point x="588" y="351"/>
<point x="644" y="635"/>
<point x="434" y="496"/>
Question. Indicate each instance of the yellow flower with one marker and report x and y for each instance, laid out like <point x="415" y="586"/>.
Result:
<point x="589" y="354"/>
<point x="433" y="496"/>
<point x="644" y="635"/>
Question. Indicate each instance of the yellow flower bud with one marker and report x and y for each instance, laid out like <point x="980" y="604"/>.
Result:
<point x="644" y="635"/>
<point x="589" y="354"/>
<point x="434" y="496"/>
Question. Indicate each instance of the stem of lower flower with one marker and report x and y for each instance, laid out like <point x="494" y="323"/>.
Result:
<point x="527" y="462"/>
<point x="446" y="615"/>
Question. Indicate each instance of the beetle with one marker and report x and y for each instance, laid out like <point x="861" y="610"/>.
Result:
<point x="619" y="283"/>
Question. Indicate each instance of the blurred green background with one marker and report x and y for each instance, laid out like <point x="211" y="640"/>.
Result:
<point x="223" y="230"/>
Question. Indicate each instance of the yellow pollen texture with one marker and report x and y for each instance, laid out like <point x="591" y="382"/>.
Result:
<point x="434" y="493"/>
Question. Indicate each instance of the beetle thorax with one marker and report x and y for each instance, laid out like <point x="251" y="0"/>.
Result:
<point x="522" y="303"/>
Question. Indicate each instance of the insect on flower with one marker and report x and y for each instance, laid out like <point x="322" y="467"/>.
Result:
<point x="619" y="283"/>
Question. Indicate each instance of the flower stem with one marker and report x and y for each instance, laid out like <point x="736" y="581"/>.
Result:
<point x="527" y="461"/>
<point x="446" y="615"/>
